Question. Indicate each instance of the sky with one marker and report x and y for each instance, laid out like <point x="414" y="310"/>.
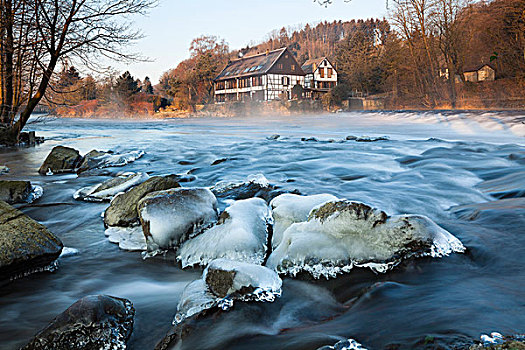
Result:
<point x="170" y="27"/>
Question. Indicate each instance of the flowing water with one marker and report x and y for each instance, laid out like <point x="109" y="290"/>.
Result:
<point x="466" y="171"/>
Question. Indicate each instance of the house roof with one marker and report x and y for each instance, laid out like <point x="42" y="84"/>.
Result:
<point x="474" y="68"/>
<point x="251" y="65"/>
<point x="308" y="66"/>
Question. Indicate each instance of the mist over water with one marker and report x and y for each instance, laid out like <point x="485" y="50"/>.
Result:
<point x="465" y="171"/>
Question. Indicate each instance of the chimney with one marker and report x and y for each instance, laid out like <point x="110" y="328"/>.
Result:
<point x="267" y="52"/>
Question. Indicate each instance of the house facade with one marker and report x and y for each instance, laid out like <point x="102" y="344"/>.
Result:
<point x="320" y="77"/>
<point x="263" y="77"/>
<point x="484" y="72"/>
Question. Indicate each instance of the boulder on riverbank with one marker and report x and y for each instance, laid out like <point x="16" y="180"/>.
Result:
<point x="61" y="160"/>
<point x="93" y="322"/>
<point x="15" y="191"/>
<point x="123" y="208"/>
<point x="170" y="217"/>
<point x="25" y="245"/>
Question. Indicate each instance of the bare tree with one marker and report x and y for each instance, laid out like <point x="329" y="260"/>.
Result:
<point x="53" y="30"/>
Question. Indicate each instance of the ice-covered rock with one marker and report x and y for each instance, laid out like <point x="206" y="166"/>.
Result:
<point x="105" y="191"/>
<point x="14" y="191"/>
<point x="122" y="210"/>
<point x="171" y="217"/>
<point x="60" y="160"/>
<point x="347" y="344"/>
<point x="93" y="322"/>
<point x="96" y="160"/>
<point x="254" y="186"/>
<point x="225" y="281"/>
<point x="290" y="208"/>
<point x="342" y="234"/>
<point x="128" y="238"/>
<point x="241" y="234"/>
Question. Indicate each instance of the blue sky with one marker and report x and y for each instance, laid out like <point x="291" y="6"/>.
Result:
<point x="171" y="26"/>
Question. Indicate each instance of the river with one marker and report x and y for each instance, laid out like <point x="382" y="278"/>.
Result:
<point x="466" y="171"/>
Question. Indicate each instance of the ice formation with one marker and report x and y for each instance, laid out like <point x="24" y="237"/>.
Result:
<point x="493" y="338"/>
<point x="290" y="208"/>
<point x="172" y="216"/>
<point x="107" y="190"/>
<point x="225" y="281"/>
<point x="113" y="160"/>
<point x="347" y="344"/>
<point x="127" y="238"/>
<point x="241" y="234"/>
<point x="36" y="192"/>
<point x="342" y="234"/>
<point x="258" y="179"/>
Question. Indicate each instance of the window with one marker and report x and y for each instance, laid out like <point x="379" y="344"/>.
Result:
<point x="330" y="71"/>
<point x="286" y="81"/>
<point x="293" y="67"/>
<point x="280" y="66"/>
<point x="256" y="81"/>
<point x="321" y="72"/>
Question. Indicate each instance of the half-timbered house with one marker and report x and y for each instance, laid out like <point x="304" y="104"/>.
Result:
<point x="263" y="77"/>
<point x="320" y="77"/>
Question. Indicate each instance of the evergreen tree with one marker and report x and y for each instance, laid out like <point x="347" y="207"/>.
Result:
<point x="125" y="86"/>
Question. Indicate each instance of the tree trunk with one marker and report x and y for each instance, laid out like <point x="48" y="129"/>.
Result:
<point x="6" y="115"/>
<point x="33" y="101"/>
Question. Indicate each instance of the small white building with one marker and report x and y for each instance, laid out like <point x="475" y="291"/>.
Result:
<point x="320" y="77"/>
<point x="263" y="77"/>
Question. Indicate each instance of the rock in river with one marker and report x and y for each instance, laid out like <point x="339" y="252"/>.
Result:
<point x="123" y="208"/>
<point x="105" y="191"/>
<point x="222" y="283"/>
<point x="290" y="208"/>
<point x="96" y="160"/>
<point x="91" y="323"/>
<point x="342" y="234"/>
<point x="170" y="217"/>
<point x="25" y="245"/>
<point x="254" y="186"/>
<point x="15" y="191"/>
<point x="60" y="160"/>
<point x="241" y="234"/>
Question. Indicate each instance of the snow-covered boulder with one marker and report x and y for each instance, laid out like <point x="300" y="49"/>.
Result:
<point x="290" y="208"/>
<point x="225" y="281"/>
<point x="171" y="217"/>
<point x="105" y="191"/>
<point x="122" y="210"/>
<point x="97" y="159"/>
<point x="241" y="234"/>
<point x="342" y="234"/>
<point x="254" y="186"/>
